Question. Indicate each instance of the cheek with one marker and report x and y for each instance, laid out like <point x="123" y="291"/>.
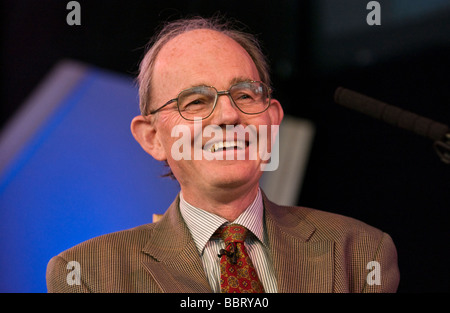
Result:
<point x="262" y="123"/>
<point x="266" y="132"/>
<point x="173" y="132"/>
<point x="170" y="116"/>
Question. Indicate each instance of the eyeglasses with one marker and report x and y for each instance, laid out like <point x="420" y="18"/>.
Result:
<point x="250" y="97"/>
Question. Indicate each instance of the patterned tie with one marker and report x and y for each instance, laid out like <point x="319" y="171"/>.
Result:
<point x="236" y="268"/>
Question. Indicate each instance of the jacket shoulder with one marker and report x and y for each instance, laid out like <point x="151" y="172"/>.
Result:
<point x="335" y="223"/>
<point x="109" y="255"/>
<point x="129" y="239"/>
<point x="327" y="225"/>
<point x="357" y="247"/>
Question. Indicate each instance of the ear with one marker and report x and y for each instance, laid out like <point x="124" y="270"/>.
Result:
<point x="276" y="112"/>
<point x="146" y="135"/>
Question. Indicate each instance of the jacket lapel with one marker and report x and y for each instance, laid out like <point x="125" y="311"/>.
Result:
<point x="301" y="263"/>
<point x="173" y="260"/>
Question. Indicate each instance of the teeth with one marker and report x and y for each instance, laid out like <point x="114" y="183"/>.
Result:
<point x="227" y="144"/>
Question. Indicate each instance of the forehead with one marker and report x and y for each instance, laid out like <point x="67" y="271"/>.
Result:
<point x="200" y="39"/>
<point x="203" y="54"/>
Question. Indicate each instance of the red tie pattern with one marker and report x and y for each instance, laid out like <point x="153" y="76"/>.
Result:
<point x="238" y="274"/>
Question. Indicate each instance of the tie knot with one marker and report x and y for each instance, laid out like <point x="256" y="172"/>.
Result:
<point x="232" y="233"/>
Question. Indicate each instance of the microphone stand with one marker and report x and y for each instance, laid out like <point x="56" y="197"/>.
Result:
<point x="442" y="148"/>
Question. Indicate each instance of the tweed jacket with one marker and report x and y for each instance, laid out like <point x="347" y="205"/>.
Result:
<point x="312" y="251"/>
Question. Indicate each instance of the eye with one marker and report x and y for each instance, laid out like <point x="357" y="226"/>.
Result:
<point x="195" y="101"/>
<point x="244" y="96"/>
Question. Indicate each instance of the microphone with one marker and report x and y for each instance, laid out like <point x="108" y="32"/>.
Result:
<point x="395" y="116"/>
<point x="230" y="254"/>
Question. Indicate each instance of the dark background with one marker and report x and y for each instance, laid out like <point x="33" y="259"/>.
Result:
<point x="360" y="167"/>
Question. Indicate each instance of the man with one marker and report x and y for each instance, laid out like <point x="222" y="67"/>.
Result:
<point x="202" y="77"/>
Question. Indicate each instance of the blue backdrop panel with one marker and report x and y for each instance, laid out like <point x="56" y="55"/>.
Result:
<point x="80" y="174"/>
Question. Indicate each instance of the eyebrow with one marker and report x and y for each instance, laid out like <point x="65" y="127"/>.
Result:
<point x="233" y="81"/>
<point x="239" y="79"/>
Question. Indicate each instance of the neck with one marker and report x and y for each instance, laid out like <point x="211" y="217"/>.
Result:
<point x="228" y="204"/>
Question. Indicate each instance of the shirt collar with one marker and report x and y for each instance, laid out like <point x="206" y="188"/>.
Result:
<point x="203" y="224"/>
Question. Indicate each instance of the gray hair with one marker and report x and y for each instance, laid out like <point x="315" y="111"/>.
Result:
<point x="172" y="29"/>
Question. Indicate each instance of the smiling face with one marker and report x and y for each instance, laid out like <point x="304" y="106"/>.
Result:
<point x="207" y="58"/>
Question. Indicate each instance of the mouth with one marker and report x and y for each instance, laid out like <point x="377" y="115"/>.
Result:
<point x="226" y="145"/>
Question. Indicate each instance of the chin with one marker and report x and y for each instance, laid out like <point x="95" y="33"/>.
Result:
<point x="233" y="174"/>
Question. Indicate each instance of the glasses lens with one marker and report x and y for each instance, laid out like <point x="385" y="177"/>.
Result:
<point x="250" y="97"/>
<point x="196" y="102"/>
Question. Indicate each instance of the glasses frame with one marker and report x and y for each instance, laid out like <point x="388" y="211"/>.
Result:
<point x="218" y="94"/>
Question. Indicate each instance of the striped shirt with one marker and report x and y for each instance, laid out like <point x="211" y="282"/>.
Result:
<point x="202" y="226"/>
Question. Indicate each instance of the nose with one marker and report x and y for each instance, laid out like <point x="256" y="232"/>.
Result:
<point x="225" y="113"/>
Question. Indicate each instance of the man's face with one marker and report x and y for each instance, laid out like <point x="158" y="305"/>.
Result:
<point x="204" y="57"/>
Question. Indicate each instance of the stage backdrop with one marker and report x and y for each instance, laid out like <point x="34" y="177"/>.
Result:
<point x="71" y="170"/>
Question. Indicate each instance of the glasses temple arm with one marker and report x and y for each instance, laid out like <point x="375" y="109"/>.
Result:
<point x="163" y="106"/>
